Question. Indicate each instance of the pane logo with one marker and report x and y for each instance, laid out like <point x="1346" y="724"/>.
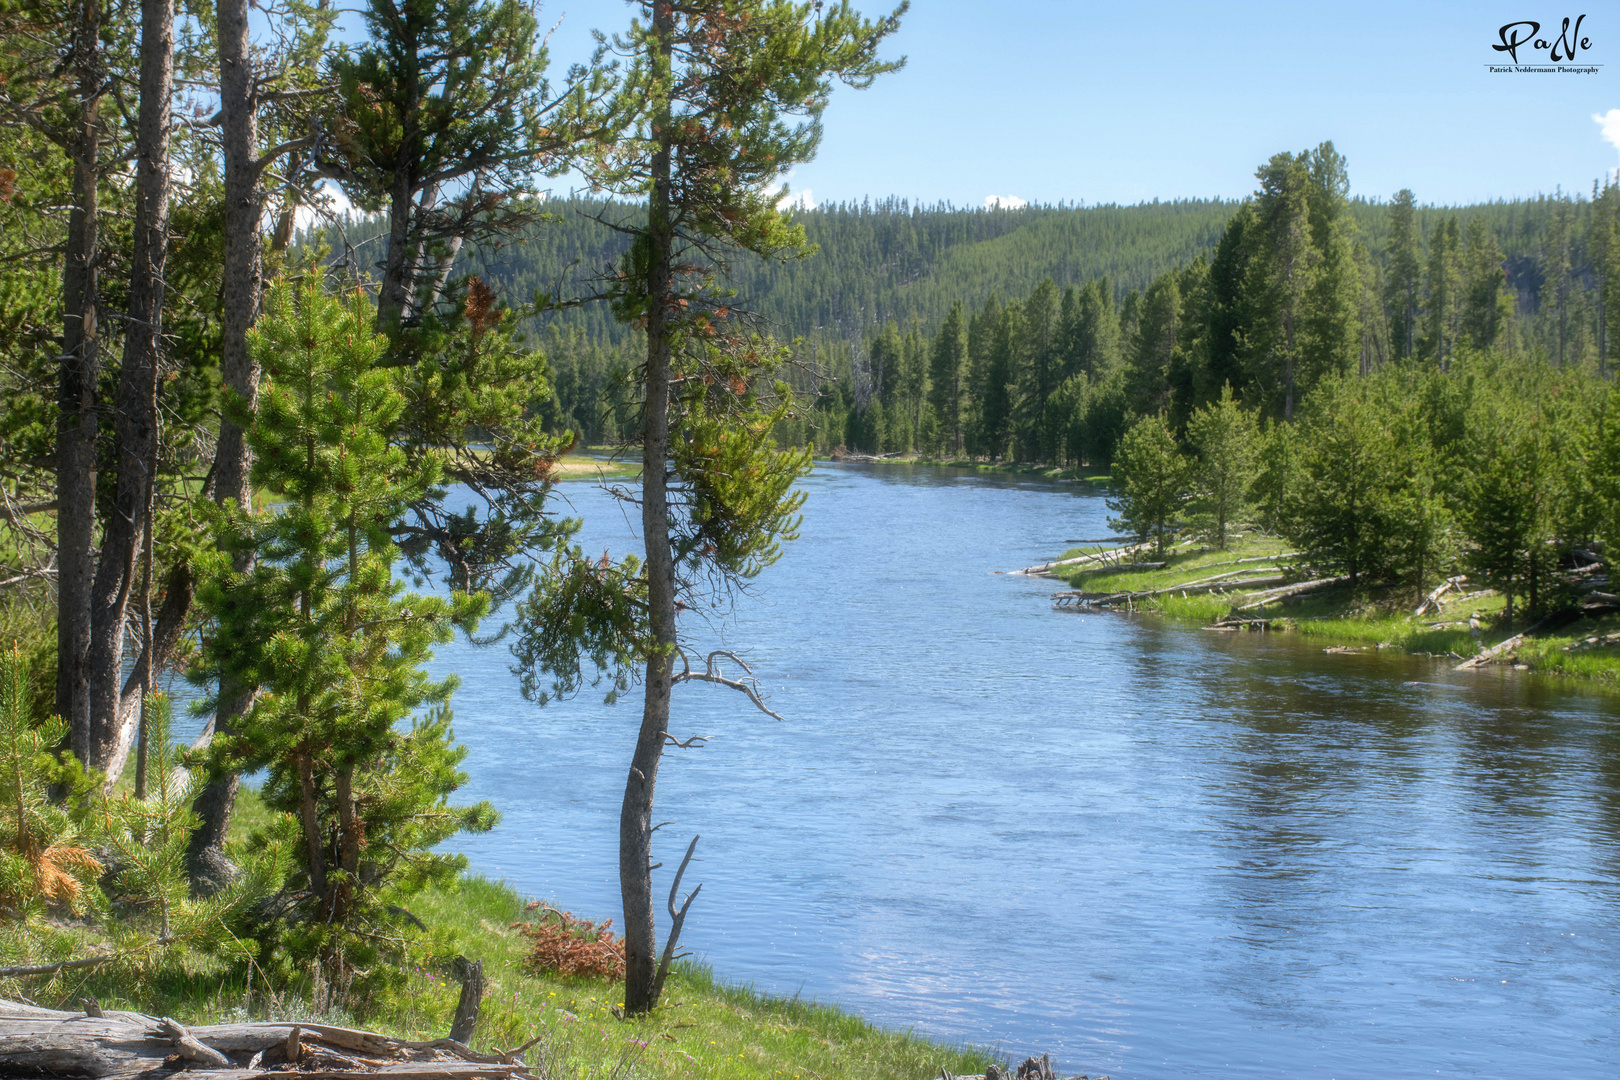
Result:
<point x="1530" y="49"/>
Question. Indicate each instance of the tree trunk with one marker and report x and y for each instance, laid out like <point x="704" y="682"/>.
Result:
<point x="241" y="286"/>
<point x="635" y="816"/>
<point x="76" y="395"/>
<point x="134" y="425"/>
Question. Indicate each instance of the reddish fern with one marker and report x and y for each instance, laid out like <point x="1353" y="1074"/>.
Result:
<point x="565" y="945"/>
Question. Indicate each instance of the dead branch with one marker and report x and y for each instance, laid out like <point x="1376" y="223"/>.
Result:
<point x="1432" y="601"/>
<point x="749" y="686"/>
<point x="188" y="1047"/>
<point x="678" y="917"/>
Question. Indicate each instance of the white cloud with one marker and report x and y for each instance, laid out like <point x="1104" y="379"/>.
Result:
<point x="334" y="203"/>
<point x="1610" y="122"/>
<point x="795" y="200"/>
<point x="1004" y="202"/>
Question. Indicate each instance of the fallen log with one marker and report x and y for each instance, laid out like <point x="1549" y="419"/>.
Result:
<point x="1292" y="590"/>
<point x="129" y="1045"/>
<point x="1104" y="556"/>
<point x="1491" y="654"/>
<point x="1432" y="601"/>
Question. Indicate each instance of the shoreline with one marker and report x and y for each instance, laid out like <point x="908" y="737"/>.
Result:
<point x="704" y="1028"/>
<point x="1253" y="585"/>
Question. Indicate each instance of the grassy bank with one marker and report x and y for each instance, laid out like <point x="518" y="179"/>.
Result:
<point x="1375" y="618"/>
<point x="705" y="1027"/>
<point x="1000" y="468"/>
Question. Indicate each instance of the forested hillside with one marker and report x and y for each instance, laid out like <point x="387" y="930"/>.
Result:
<point x="892" y="262"/>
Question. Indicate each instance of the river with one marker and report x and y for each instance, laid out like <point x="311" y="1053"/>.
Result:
<point x="1150" y="850"/>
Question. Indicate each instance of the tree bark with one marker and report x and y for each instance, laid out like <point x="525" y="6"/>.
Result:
<point x="240" y="293"/>
<point x="635" y="816"/>
<point x="134" y="427"/>
<point x="76" y="393"/>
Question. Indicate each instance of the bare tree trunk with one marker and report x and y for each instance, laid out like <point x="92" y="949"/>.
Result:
<point x="135" y="431"/>
<point x="76" y="394"/>
<point x="394" y="294"/>
<point x="206" y="864"/>
<point x="635" y="816"/>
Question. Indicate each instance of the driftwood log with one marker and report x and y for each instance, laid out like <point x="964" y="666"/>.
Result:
<point x="1032" y="1069"/>
<point x="47" y="1043"/>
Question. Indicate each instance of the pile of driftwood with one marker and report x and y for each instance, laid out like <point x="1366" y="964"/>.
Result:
<point x="36" y="1042"/>
<point x="1032" y="1069"/>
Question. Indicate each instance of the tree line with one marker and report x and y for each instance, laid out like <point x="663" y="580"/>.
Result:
<point x="1293" y="292"/>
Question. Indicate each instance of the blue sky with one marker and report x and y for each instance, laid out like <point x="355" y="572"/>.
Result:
<point x="1051" y="101"/>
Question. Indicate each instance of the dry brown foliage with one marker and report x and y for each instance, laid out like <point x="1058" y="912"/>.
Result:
<point x="565" y="945"/>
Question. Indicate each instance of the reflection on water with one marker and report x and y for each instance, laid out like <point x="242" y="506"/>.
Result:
<point x="1152" y="851"/>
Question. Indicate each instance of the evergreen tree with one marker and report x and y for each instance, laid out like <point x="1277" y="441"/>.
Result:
<point x="45" y="855"/>
<point x="996" y="399"/>
<point x="1331" y="334"/>
<point x="1225" y="310"/>
<point x="321" y="626"/>
<point x="911" y="396"/>
<point x="1402" y="275"/>
<point x="1093" y="335"/>
<point x="1154" y="348"/>
<point x="1282" y="274"/>
<point x="948" y="375"/>
<point x="1040" y="370"/>
<point x="1514" y="477"/>
<point x="1224" y="439"/>
<point x="1343" y="513"/>
<point x="1486" y="304"/>
<point x="1556" y="276"/>
<point x="1150" y="478"/>
<point x="730" y="96"/>
<point x="1605" y="245"/>
<point x="1444" y="299"/>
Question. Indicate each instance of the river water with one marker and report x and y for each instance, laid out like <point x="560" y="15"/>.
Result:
<point x="1150" y="850"/>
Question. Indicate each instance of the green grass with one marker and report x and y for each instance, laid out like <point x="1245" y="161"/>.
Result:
<point x="704" y="1028"/>
<point x="1378" y="617"/>
<point x="1561" y="653"/>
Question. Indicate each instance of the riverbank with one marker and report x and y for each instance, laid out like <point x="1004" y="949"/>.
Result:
<point x="704" y="1028"/>
<point x="1003" y="468"/>
<point x="1196" y="584"/>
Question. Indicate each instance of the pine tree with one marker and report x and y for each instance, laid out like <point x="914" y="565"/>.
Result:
<point x="1331" y="330"/>
<point x="1444" y="296"/>
<point x="1513" y="489"/>
<point x="45" y="855"/>
<point x="321" y="626"/>
<point x="1556" y="273"/>
<point x="947" y="376"/>
<point x="731" y="97"/>
<point x="997" y="399"/>
<point x="1150" y="477"/>
<point x="1342" y="511"/>
<point x="1282" y="273"/>
<point x="1154" y="348"/>
<point x="1486" y="303"/>
<point x="1225" y="439"/>
<point x="1402" y="275"/>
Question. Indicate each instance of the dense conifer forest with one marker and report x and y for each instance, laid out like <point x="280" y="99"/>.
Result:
<point x="1078" y="301"/>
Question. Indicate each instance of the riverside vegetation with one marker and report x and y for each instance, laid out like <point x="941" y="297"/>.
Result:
<point x="1493" y="482"/>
